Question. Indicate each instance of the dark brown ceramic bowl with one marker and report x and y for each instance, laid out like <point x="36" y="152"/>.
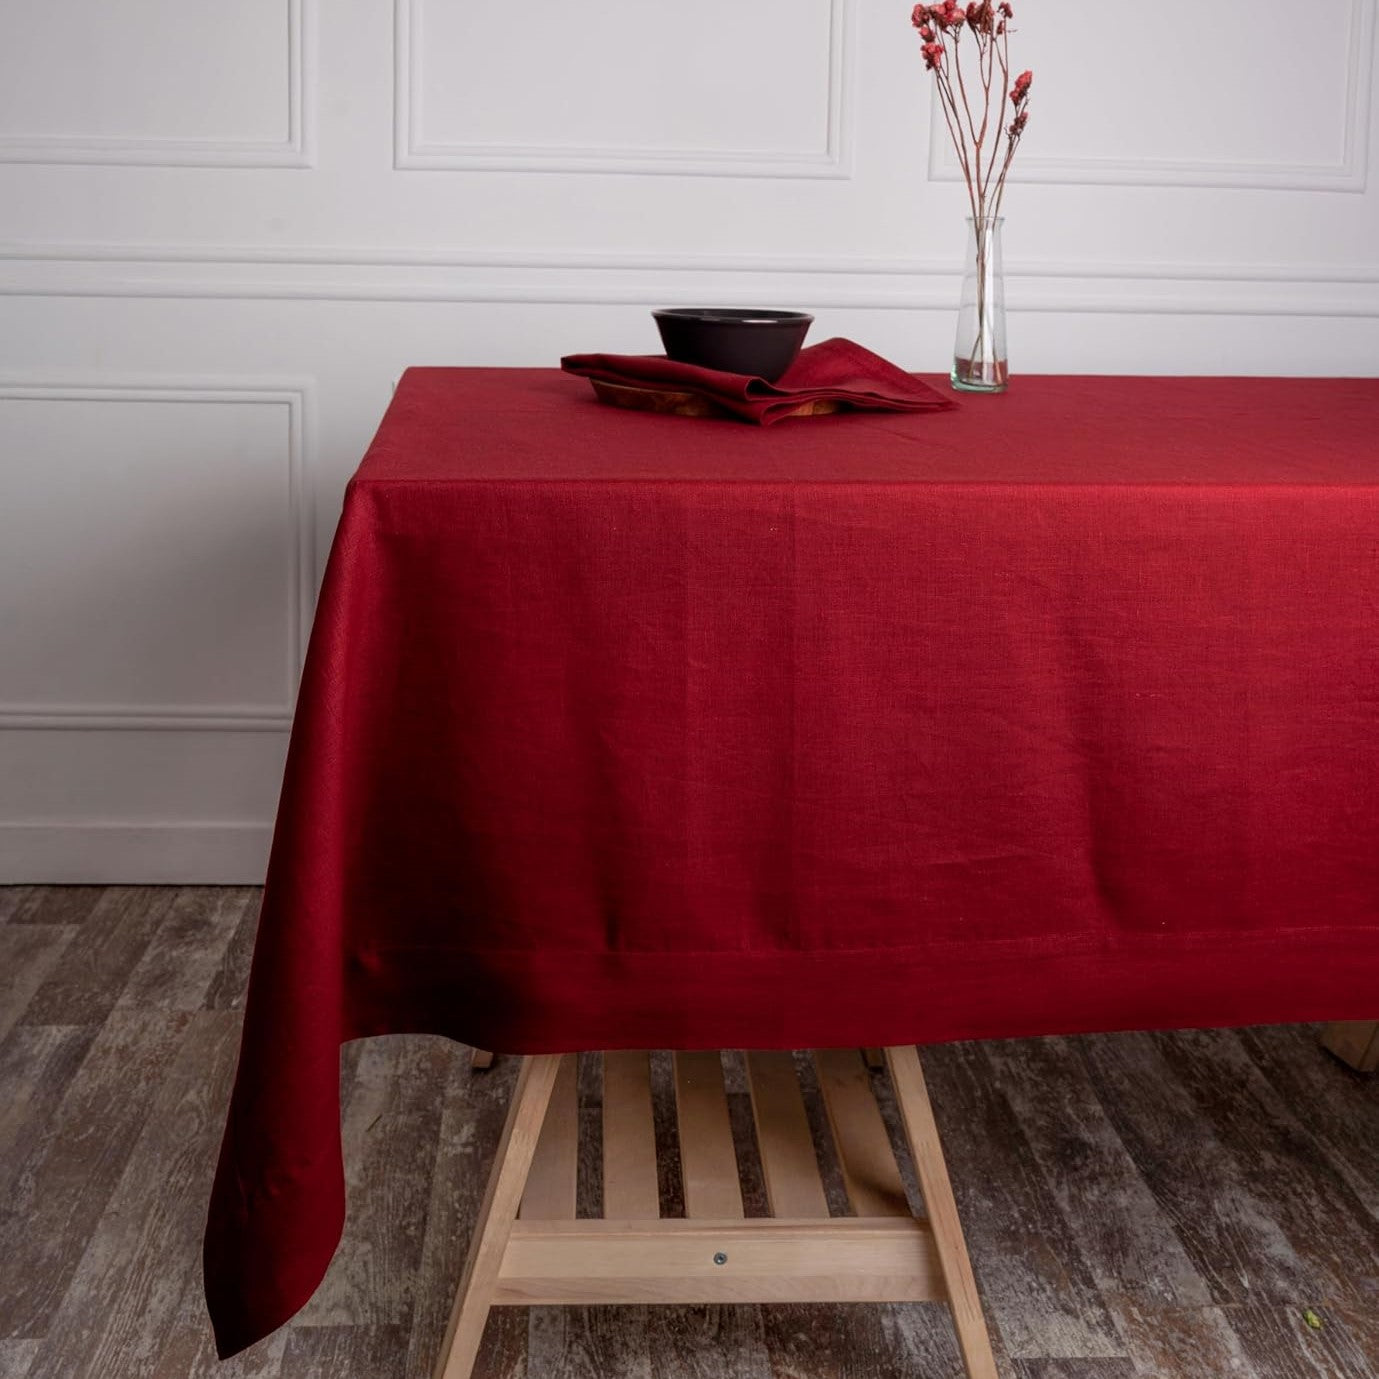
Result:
<point x="734" y="339"/>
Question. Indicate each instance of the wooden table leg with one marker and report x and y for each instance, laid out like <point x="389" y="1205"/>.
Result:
<point x="494" y="1226"/>
<point x="907" y="1080"/>
<point x="1355" y="1043"/>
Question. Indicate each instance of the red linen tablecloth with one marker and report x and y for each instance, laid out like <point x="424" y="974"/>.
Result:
<point x="1057" y="712"/>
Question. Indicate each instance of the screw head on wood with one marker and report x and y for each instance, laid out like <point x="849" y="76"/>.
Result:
<point x="720" y="1258"/>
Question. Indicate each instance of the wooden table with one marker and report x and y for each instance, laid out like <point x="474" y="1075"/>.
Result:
<point x="528" y="1248"/>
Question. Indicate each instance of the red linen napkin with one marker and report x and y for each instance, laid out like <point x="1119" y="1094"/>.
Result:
<point x="838" y="370"/>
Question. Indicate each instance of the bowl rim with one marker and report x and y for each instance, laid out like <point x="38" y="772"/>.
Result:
<point x="733" y="315"/>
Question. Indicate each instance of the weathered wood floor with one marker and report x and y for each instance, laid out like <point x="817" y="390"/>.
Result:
<point x="1137" y="1205"/>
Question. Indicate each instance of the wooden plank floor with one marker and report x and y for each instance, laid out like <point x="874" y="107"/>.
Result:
<point x="1136" y="1205"/>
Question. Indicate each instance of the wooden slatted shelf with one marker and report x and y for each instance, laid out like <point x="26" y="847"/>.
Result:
<point x="529" y="1248"/>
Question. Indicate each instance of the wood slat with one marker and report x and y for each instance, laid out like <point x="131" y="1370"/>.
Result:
<point x="16" y="1356"/>
<point x="14" y="900"/>
<point x="328" y="1352"/>
<point x="85" y="986"/>
<point x="155" y="1212"/>
<point x="55" y="904"/>
<point x="60" y="1192"/>
<point x="762" y="1260"/>
<point x="629" y="1139"/>
<point x="185" y="956"/>
<point x="37" y="1065"/>
<point x="708" y="1160"/>
<point x="1013" y="1200"/>
<point x="788" y="1162"/>
<point x="28" y="954"/>
<point x="391" y="1113"/>
<point x="551" y="1184"/>
<point x="870" y="1173"/>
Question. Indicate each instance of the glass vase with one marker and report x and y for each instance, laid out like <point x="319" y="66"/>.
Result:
<point x="979" y="353"/>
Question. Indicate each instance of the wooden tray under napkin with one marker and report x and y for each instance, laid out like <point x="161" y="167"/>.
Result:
<point x="682" y="404"/>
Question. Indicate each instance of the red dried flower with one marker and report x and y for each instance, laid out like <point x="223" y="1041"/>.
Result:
<point x="919" y="15"/>
<point x="1020" y="91"/>
<point x="948" y="15"/>
<point x="926" y="32"/>
<point x="1006" y="12"/>
<point x="933" y="55"/>
<point x="1017" y="125"/>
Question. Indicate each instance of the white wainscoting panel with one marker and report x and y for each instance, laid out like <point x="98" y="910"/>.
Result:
<point x="225" y="230"/>
<point x="733" y="90"/>
<point x="150" y="555"/>
<point x="173" y="82"/>
<point x="1263" y="100"/>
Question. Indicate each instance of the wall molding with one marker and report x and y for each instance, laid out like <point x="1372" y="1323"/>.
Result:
<point x="545" y="278"/>
<point x="1350" y="174"/>
<point x="403" y="257"/>
<point x="169" y="852"/>
<point x="248" y="718"/>
<point x="297" y="395"/>
<point x="413" y="151"/>
<point x="298" y="150"/>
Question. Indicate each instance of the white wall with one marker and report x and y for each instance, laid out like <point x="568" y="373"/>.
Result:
<point x="225" y="229"/>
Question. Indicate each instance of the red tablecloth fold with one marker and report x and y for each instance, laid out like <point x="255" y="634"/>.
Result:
<point x="1054" y="713"/>
<point x="837" y="370"/>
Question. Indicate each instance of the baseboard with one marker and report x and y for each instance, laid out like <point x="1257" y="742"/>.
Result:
<point x="210" y="854"/>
